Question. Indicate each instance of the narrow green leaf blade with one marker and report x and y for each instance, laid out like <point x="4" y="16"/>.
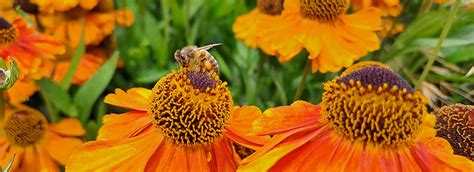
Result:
<point x="58" y="97"/>
<point x="90" y="91"/>
<point x="81" y="49"/>
<point x="10" y="164"/>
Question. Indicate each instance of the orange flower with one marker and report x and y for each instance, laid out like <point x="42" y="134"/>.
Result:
<point x="31" y="50"/>
<point x="332" y="38"/>
<point x="50" y="6"/>
<point x="88" y="65"/>
<point x="370" y="119"/>
<point x="455" y="123"/>
<point x="186" y="123"/>
<point x="389" y="9"/>
<point x="38" y="146"/>
<point x="96" y="24"/>
<point x="247" y="27"/>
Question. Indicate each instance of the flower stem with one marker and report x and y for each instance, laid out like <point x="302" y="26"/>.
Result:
<point x="444" y="33"/>
<point x="300" y="88"/>
<point x="2" y="105"/>
<point x="425" y="7"/>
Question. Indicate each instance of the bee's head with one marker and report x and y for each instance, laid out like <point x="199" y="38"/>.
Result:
<point x="187" y="51"/>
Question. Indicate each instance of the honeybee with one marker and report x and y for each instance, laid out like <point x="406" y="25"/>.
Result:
<point x="198" y="57"/>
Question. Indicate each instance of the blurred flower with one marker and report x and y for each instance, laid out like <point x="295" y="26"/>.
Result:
<point x="88" y="65"/>
<point x="97" y="24"/>
<point x="97" y="20"/>
<point x="387" y="7"/>
<point x="390" y="9"/>
<point x="455" y="123"/>
<point x="333" y="38"/>
<point x="38" y="146"/>
<point x="32" y="51"/>
<point x="370" y="119"/>
<point x="50" y="6"/>
<point x="247" y="27"/>
<point x="186" y="123"/>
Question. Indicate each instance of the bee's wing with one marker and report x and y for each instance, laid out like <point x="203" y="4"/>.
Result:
<point x="207" y="47"/>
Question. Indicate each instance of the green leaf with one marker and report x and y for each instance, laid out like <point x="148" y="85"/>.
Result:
<point x="91" y="130"/>
<point x="10" y="164"/>
<point x="459" y="54"/>
<point x="58" y="97"/>
<point x="93" y="88"/>
<point x="81" y="49"/>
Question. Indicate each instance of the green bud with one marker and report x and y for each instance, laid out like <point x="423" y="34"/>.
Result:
<point x="8" y="74"/>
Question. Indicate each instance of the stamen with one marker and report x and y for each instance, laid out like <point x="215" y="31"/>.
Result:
<point x="270" y="7"/>
<point x="25" y="127"/>
<point x="8" y="33"/>
<point x="190" y="107"/>
<point x="374" y="104"/>
<point x="323" y="10"/>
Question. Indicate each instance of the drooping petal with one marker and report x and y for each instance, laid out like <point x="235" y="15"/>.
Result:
<point x="435" y="154"/>
<point x="128" y="154"/>
<point x="222" y="156"/>
<point x="134" y="99"/>
<point x="172" y="157"/>
<point x="240" y="129"/>
<point x="68" y="127"/>
<point x="59" y="147"/>
<point x="284" y="118"/>
<point x="124" y="125"/>
<point x="278" y="147"/>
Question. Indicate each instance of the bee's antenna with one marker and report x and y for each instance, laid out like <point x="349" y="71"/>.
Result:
<point x="207" y="47"/>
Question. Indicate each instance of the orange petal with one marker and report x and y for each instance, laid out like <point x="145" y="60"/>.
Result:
<point x="68" y="127"/>
<point x="240" y="129"/>
<point x="134" y="99"/>
<point x="125" y="125"/>
<point x="372" y="20"/>
<point x="172" y="157"/>
<point x="7" y="152"/>
<point x="279" y="146"/>
<point x="60" y="148"/>
<point x="222" y="156"/>
<point x="284" y="118"/>
<point x="129" y="154"/>
<point x="21" y="91"/>
<point x="435" y="154"/>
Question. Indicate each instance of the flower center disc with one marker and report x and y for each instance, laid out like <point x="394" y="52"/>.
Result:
<point x="191" y="107"/>
<point x="455" y="123"/>
<point x="270" y="7"/>
<point x="323" y="10"/>
<point x="25" y="127"/>
<point x="8" y="33"/>
<point x="374" y="104"/>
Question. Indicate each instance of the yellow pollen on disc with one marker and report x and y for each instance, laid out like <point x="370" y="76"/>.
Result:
<point x="191" y="107"/>
<point x="270" y="7"/>
<point x="323" y="10"/>
<point x="25" y="127"/>
<point x="8" y="33"/>
<point x="365" y="110"/>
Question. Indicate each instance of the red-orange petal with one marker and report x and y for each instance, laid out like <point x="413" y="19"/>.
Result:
<point x="133" y="99"/>
<point x="129" y="154"/>
<point x="240" y="128"/>
<point x="284" y="118"/>
<point x="124" y="125"/>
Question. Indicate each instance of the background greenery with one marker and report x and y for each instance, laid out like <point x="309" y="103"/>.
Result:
<point x="163" y="26"/>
